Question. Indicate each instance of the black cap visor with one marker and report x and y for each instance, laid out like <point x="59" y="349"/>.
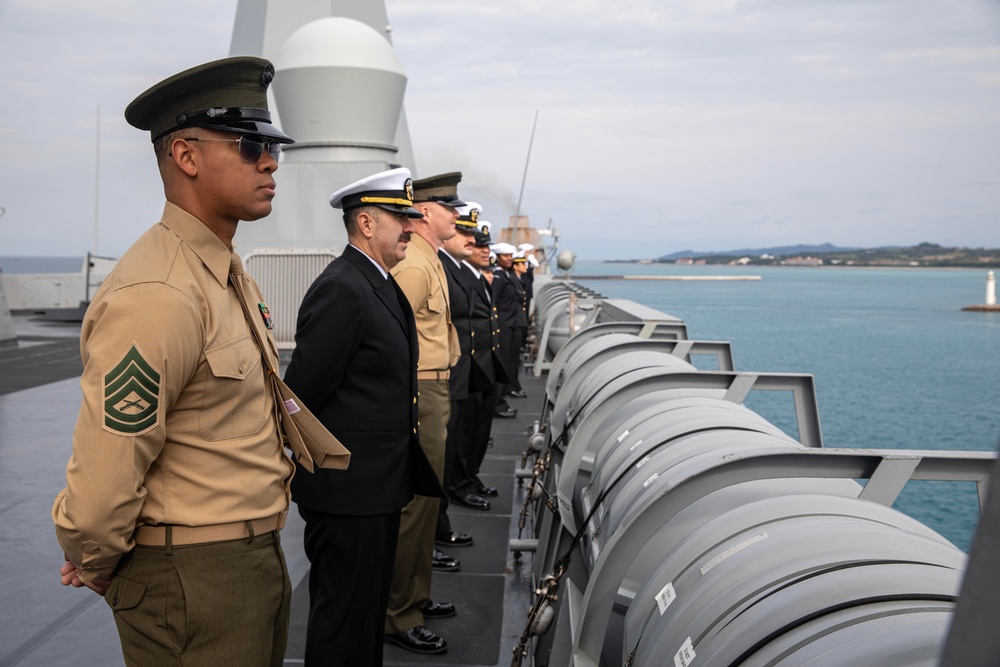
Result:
<point x="265" y="130"/>
<point x="408" y="211"/>
<point x="245" y="120"/>
<point x="452" y="201"/>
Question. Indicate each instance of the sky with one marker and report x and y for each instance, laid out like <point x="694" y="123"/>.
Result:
<point x="662" y="126"/>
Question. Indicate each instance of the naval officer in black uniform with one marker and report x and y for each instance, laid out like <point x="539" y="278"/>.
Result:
<point x="355" y="366"/>
<point x="452" y="253"/>
<point x="485" y="376"/>
<point x="509" y="294"/>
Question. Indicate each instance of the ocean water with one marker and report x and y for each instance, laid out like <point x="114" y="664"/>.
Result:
<point x="897" y="363"/>
<point x="31" y="264"/>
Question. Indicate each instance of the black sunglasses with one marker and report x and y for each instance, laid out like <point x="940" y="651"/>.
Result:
<point x="251" y="148"/>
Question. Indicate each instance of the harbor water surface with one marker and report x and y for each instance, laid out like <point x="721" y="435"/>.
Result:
<point x="896" y="362"/>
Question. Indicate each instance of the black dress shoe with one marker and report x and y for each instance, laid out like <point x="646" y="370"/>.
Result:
<point x="454" y="539"/>
<point x="517" y="394"/>
<point x="444" y="563"/>
<point x="489" y="491"/>
<point x="419" y="640"/>
<point x="472" y="501"/>
<point x="506" y="414"/>
<point x="432" y="609"/>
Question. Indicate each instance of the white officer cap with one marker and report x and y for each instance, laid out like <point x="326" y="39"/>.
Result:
<point x="503" y="248"/>
<point x="519" y="257"/>
<point x="468" y="218"/>
<point x="390" y="190"/>
<point x="525" y="247"/>
<point x="484" y="226"/>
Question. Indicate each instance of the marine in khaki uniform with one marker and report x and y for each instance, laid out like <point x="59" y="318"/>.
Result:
<point x="424" y="282"/>
<point x="178" y="481"/>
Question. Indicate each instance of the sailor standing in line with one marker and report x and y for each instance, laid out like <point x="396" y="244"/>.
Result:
<point x="355" y="366"/>
<point x="178" y="481"/>
<point x="510" y="308"/>
<point x="452" y="253"/>
<point x="519" y="267"/>
<point x="422" y="279"/>
<point x="476" y="420"/>
<point x="528" y="277"/>
<point x="501" y="408"/>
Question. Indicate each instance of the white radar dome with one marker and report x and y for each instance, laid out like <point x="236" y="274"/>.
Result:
<point x="565" y="260"/>
<point x="339" y="83"/>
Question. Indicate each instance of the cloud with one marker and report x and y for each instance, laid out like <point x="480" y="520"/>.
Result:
<point x="661" y="125"/>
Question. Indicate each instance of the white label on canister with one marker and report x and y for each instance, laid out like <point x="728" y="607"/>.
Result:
<point x="291" y="407"/>
<point x="650" y="480"/>
<point x="632" y="448"/>
<point x="665" y="597"/>
<point x="730" y="551"/>
<point x="685" y="656"/>
<point x="641" y="462"/>
<point x="623" y="436"/>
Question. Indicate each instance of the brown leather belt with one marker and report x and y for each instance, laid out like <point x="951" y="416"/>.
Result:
<point x="156" y="536"/>
<point x="433" y="375"/>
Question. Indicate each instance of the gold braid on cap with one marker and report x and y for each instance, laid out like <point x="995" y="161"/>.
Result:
<point x="386" y="200"/>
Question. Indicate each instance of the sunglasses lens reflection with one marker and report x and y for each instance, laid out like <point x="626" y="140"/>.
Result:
<point x="252" y="149"/>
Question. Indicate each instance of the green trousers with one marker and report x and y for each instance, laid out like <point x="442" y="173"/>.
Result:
<point x="411" y="574"/>
<point x="222" y="603"/>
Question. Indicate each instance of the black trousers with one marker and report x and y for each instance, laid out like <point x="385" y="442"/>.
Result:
<point x="351" y="560"/>
<point x="474" y="428"/>
<point x="510" y="353"/>
<point x="451" y="446"/>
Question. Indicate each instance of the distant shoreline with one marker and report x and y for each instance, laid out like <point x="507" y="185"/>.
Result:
<point x="754" y="267"/>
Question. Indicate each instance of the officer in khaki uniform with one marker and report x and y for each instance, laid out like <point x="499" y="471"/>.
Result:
<point x="424" y="282"/>
<point x="178" y="481"/>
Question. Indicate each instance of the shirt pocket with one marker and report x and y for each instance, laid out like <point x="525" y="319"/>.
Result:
<point x="436" y="303"/>
<point x="233" y="400"/>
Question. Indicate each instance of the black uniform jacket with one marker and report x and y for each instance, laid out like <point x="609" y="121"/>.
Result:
<point x="509" y="300"/>
<point x="355" y="367"/>
<point x="488" y="368"/>
<point x="459" y="301"/>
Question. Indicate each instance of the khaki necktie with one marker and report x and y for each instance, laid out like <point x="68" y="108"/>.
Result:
<point x="310" y="441"/>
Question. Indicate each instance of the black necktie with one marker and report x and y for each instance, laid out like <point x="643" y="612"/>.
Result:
<point x="486" y="288"/>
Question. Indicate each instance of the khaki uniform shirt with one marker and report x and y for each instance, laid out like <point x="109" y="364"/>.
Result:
<point x="177" y="424"/>
<point x="423" y="281"/>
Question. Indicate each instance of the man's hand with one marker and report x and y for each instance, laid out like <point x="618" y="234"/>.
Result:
<point x="71" y="577"/>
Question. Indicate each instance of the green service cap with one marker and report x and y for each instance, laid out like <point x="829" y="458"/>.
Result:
<point x="442" y="188"/>
<point x="228" y="94"/>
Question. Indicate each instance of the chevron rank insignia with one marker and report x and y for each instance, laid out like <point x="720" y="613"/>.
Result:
<point x="131" y="395"/>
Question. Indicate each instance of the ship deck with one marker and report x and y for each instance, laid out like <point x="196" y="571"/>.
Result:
<point x="48" y="624"/>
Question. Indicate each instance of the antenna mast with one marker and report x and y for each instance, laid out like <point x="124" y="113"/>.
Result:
<point x="97" y="182"/>
<point x="517" y="213"/>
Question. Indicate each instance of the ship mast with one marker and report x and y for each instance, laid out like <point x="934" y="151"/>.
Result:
<point x="514" y="221"/>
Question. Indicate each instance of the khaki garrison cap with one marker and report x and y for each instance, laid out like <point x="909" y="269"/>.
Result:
<point x="228" y="94"/>
<point x="442" y="188"/>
